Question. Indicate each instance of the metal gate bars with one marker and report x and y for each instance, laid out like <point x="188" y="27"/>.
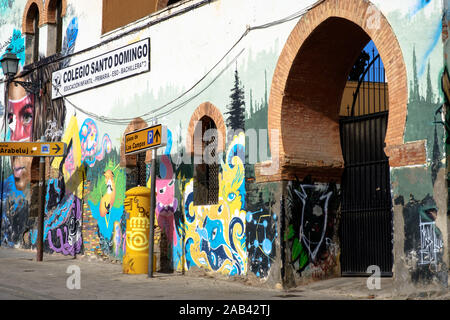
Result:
<point x="366" y="213"/>
<point x="366" y="221"/>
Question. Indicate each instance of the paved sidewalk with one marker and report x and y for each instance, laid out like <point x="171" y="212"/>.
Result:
<point x="22" y="277"/>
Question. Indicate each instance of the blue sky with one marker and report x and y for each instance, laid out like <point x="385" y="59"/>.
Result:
<point x="372" y="50"/>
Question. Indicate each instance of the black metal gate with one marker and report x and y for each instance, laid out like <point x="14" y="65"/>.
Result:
<point x="366" y="221"/>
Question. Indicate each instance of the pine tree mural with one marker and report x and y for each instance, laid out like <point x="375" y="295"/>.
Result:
<point x="236" y="113"/>
<point x="415" y="94"/>
<point x="429" y="97"/>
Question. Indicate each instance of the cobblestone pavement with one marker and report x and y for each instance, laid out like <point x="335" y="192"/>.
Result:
<point x="22" y="277"/>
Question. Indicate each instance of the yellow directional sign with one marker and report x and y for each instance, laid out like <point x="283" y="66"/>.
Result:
<point x="33" y="149"/>
<point x="147" y="138"/>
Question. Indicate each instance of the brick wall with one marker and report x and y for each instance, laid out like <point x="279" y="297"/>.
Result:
<point x="309" y="80"/>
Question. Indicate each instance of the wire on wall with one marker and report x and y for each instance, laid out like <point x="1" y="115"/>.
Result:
<point x="160" y="111"/>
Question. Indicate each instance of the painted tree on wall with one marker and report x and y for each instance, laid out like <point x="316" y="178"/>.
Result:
<point x="414" y="93"/>
<point x="236" y="113"/>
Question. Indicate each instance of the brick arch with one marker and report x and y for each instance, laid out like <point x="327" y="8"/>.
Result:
<point x="206" y="109"/>
<point x="50" y="10"/>
<point x="311" y="74"/>
<point x="27" y="18"/>
<point x="131" y="160"/>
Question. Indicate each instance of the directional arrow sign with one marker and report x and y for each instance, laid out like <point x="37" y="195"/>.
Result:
<point x="147" y="138"/>
<point x="56" y="148"/>
<point x="33" y="149"/>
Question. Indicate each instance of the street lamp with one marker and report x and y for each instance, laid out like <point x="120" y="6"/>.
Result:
<point x="10" y="65"/>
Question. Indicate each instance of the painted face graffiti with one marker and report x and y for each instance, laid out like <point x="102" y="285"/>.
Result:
<point x="166" y="202"/>
<point x="20" y="118"/>
<point x="20" y="123"/>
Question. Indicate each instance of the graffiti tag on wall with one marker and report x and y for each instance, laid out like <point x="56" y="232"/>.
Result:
<point x="312" y="213"/>
<point x="261" y="229"/>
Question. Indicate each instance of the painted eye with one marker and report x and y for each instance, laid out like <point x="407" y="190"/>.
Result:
<point x="27" y="117"/>
<point x="220" y="209"/>
<point x="12" y="122"/>
<point x="171" y="183"/>
<point x="213" y="234"/>
<point x="231" y="196"/>
<point x="163" y="190"/>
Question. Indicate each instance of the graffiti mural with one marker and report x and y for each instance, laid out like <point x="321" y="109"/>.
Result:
<point x="431" y="242"/>
<point x="312" y="221"/>
<point x="27" y="122"/>
<point x="20" y="110"/>
<point x="106" y="204"/>
<point x="166" y="208"/>
<point x="70" y="37"/>
<point x="15" y="222"/>
<point x="261" y="228"/>
<point x="423" y="245"/>
<point x="92" y="149"/>
<point x="423" y="239"/>
<point x="215" y="234"/>
<point x="62" y="225"/>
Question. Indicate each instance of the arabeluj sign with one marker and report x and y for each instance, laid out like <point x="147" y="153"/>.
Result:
<point x="124" y="62"/>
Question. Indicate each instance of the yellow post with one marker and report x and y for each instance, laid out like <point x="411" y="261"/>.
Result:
<point x="137" y="205"/>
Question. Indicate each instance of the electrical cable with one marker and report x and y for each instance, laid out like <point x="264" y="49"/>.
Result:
<point x="55" y="58"/>
<point x="164" y="113"/>
<point x="153" y="112"/>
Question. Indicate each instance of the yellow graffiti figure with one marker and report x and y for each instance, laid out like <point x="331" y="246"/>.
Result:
<point x="215" y="234"/>
<point x="107" y="200"/>
<point x="72" y="169"/>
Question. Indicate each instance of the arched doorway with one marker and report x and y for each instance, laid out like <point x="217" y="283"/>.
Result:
<point x="308" y="85"/>
<point x="206" y="171"/>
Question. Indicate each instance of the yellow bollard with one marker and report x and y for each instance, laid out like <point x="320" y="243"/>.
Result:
<point x="137" y="205"/>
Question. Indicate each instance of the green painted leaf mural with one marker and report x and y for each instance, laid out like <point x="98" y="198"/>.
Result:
<point x="299" y="253"/>
<point x="296" y="249"/>
<point x="290" y="234"/>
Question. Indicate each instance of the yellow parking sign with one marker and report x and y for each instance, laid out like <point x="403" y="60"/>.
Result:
<point x="147" y="138"/>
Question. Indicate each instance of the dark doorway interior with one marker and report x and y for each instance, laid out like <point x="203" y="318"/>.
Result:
<point x="366" y="211"/>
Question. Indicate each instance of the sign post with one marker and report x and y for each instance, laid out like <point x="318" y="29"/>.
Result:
<point x="40" y="235"/>
<point x="152" y="213"/>
<point x="138" y="141"/>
